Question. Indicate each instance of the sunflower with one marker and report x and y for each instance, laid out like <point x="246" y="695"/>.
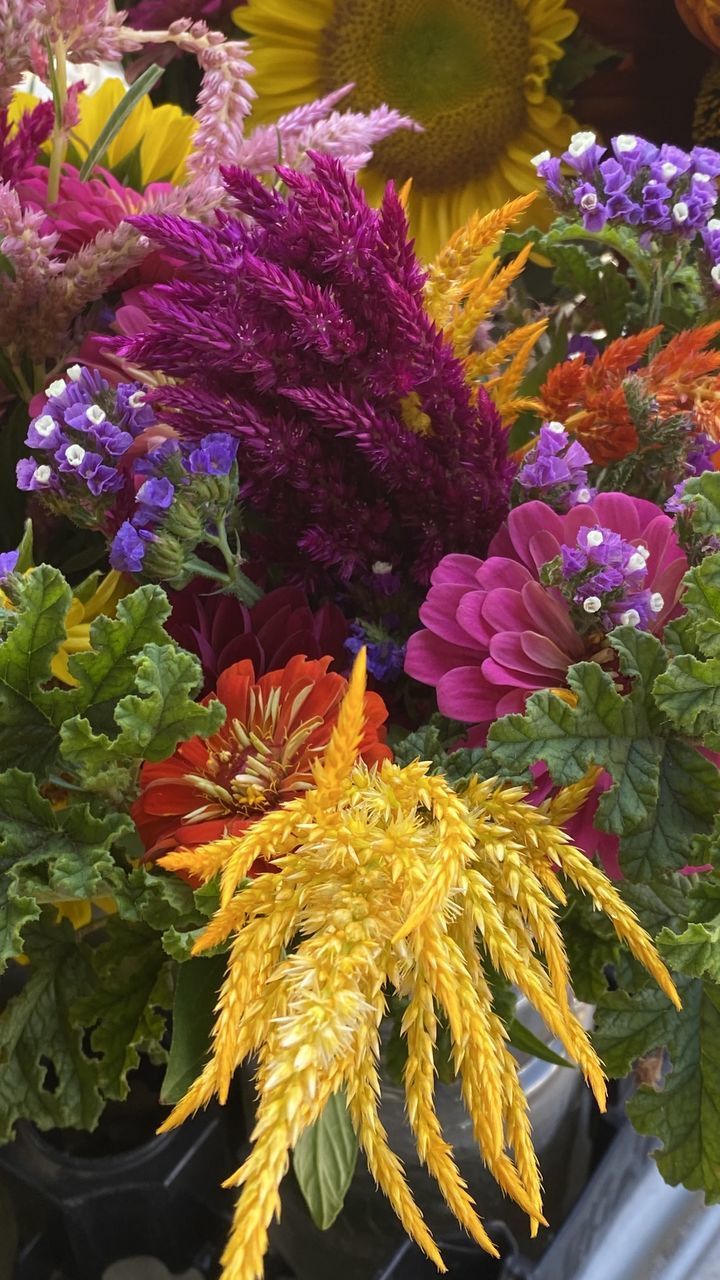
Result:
<point x="151" y="146"/>
<point x="474" y="73"/>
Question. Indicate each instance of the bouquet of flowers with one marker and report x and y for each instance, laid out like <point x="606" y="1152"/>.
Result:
<point x="359" y="611"/>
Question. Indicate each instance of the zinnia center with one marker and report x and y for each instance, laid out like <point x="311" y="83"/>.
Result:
<point x="457" y="67"/>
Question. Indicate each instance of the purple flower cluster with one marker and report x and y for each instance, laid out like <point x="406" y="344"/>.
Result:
<point x="555" y="470"/>
<point x="182" y="494"/>
<point x="82" y="433"/>
<point x="385" y="658"/>
<point x="300" y="326"/>
<point x="8" y="563"/>
<point x="604" y="578"/>
<point x="658" y="189"/>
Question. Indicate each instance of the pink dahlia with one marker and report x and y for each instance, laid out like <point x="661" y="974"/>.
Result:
<point x="550" y="589"/>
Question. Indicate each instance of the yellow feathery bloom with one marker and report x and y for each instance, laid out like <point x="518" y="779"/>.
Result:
<point x="389" y="876"/>
<point x="702" y="17"/>
<point x="151" y="146"/>
<point x="473" y="73"/>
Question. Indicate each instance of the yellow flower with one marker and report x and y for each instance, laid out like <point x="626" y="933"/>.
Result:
<point x="82" y="612"/>
<point x="703" y="19"/>
<point x="390" y="877"/>
<point x="152" y="145"/>
<point x="474" y="73"/>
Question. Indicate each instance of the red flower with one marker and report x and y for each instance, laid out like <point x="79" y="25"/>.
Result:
<point x="275" y="727"/>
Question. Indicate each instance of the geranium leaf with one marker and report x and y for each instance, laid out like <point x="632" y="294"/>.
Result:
<point x="129" y="989"/>
<point x="49" y="855"/>
<point x="47" y="1075"/>
<point x="34" y="633"/>
<point x="164" y="714"/>
<point x="664" y="792"/>
<point x="324" y="1161"/>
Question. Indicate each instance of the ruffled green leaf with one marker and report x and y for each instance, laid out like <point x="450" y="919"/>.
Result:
<point x="324" y="1162"/>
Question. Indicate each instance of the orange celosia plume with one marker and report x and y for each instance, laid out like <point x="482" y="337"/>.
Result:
<point x="590" y="400"/>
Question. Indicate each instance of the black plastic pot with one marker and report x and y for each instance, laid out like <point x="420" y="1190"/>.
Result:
<point x="80" y="1209"/>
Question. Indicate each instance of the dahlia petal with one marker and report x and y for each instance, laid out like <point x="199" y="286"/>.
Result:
<point x="465" y="694"/>
<point x="525" y="522"/>
<point x="543" y="547"/>
<point x="504" y="610"/>
<point x="472" y="619"/>
<point x="498" y="673"/>
<point x="428" y="657"/>
<point x="499" y="571"/>
<point x="456" y="570"/>
<point x="551" y="616"/>
<point x="440" y="613"/>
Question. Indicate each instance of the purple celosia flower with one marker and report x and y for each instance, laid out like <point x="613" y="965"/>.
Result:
<point x="302" y="329"/>
<point x="555" y="469"/>
<point x="495" y="632"/>
<point x="385" y="658"/>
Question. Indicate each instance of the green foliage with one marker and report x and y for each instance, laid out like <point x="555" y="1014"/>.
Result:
<point x="48" y="856"/>
<point x="689" y="691"/>
<point x="683" y="1112"/>
<point x="324" y="1162"/>
<point x="663" y="792"/>
<point x="197" y="985"/>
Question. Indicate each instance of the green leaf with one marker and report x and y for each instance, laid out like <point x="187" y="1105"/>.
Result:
<point x="117" y="118"/>
<point x="197" y="985"/>
<point x="628" y="1025"/>
<point x="324" y="1162"/>
<point x="28" y="733"/>
<point x="522" y="1038"/>
<point x="130" y="987"/>
<point x="689" y="694"/>
<point x="684" y="1113"/>
<point x="153" y="724"/>
<point x="591" y="944"/>
<point x="702" y="602"/>
<point x="46" y="1074"/>
<point x="663" y="792"/>
<point x="49" y="855"/>
<point x="695" y="948"/>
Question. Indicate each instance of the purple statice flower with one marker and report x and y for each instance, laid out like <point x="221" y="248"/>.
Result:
<point x="385" y="658"/>
<point x="300" y="326"/>
<point x="83" y="430"/>
<point x="604" y="578"/>
<point x="555" y="470"/>
<point x="581" y="344"/>
<point x="215" y="456"/>
<point x="8" y="563"/>
<point x="127" y="551"/>
<point x="662" y="190"/>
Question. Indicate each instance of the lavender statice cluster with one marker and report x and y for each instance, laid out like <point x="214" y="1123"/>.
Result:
<point x="300" y="325"/>
<point x="385" y="658"/>
<point x="660" y="190"/>
<point x="80" y="437"/>
<point x="183" y="495"/>
<point x="604" y="577"/>
<point x="555" y="470"/>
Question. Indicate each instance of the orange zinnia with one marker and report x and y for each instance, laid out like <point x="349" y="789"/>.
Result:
<point x="275" y="728"/>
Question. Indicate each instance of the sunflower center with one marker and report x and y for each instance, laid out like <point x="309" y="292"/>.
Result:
<point x="458" y="68"/>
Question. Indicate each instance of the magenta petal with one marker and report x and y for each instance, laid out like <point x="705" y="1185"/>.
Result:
<point x="456" y="570"/>
<point x="543" y="547"/>
<point x="428" y="657"/>
<point x="551" y="615"/>
<point x="621" y="512"/>
<point x="501" y="673"/>
<point x="439" y="614"/>
<point x="525" y="522"/>
<point x="471" y="618"/>
<point x="542" y="650"/>
<point x="464" y="694"/>
<point x="498" y="571"/>
<point x="504" y="610"/>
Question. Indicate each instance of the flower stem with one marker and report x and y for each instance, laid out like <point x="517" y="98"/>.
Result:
<point x="59" y="137"/>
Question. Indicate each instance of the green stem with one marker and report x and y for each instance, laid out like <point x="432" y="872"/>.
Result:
<point x="59" y="137"/>
<point x="234" y="580"/>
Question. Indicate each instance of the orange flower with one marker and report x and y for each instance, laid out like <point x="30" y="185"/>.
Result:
<point x="702" y="17"/>
<point x="275" y="728"/>
<point x="590" y="401"/>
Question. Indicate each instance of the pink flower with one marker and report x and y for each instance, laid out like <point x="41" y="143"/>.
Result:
<point x="494" y="632"/>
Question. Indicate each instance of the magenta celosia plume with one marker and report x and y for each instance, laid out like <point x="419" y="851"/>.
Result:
<point x="494" y="632"/>
<point x="300" y="326"/>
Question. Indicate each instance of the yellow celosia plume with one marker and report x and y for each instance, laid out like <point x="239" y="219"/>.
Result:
<point x="392" y="877"/>
<point x="464" y="286"/>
